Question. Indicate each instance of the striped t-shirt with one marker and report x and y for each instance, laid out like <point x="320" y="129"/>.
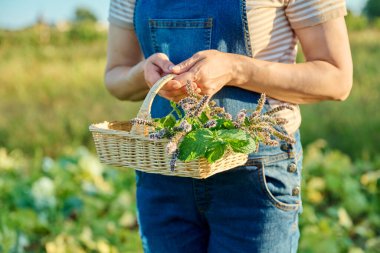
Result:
<point x="271" y="26"/>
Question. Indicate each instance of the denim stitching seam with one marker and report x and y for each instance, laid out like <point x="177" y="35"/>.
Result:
<point x="209" y="33"/>
<point x="264" y="188"/>
<point x="153" y="39"/>
<point x="247" y="38"/>
<point x="267" y="159"/>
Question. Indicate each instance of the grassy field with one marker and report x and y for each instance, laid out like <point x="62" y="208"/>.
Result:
<point x="52" y="89"/>
<point x="51" y="93"/>
<point x="353" y="125"/>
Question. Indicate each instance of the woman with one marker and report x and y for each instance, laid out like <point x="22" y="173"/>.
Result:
<point x="231" y="50"/>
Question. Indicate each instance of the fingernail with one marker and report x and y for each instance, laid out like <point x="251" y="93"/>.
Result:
<point x="171" y="67"/>
<point x="175" y="68"/>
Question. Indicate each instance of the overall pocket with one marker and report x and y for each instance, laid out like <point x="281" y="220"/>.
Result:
<point x="179" y="39"/>
<point x="280" y="180"/>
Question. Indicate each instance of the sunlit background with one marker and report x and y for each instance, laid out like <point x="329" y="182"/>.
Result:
<point x="16" y="14"/>
<point x="56" y="197"/>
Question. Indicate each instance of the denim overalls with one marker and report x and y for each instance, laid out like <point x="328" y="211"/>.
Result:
<point x="252" y="208"/>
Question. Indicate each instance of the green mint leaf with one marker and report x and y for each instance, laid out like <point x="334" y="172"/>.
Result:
<point x="245" y="147"/>
<point x="246" y="121"/>
<point x="168" y="121"/>
<point x="158" y="124"/>
<point x="239" y="140"/>
<point x="229" y="135"/>
<point x="228" y="124"/>
<point x="176" y="109"/>
<point x="194" y="144"/>
<point x="224" y="124"/>
<point x="195" y="123"/>
<point x="215" y="151"/>
<point x="203" y="118"/>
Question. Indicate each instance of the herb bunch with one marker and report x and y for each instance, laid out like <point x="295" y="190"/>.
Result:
<point x="198" y="128"/>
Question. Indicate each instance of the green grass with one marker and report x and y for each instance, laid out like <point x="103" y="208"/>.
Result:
<point x="50" y="94"/>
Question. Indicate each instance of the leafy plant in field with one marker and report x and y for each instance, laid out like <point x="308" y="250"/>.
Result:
<point x="198" y="128"/>
<point x="50" y="205"/>
<point x="341" y="203"/>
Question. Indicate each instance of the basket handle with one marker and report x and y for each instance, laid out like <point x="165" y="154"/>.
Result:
<point x="144" y="112"/>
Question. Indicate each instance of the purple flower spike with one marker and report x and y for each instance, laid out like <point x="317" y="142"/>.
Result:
<point x="173" y="161"/>
<point x="171" y="147"/>
<point x="210" y="124"/>
<point x="228" y="116"/>
<point x="185" y="126"/>
<point x="240" y="117"/>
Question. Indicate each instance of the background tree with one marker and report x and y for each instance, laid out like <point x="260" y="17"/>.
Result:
<point x="84" y="15"/>
<point x="84" y="26"/>
<point x="372" y="9"/>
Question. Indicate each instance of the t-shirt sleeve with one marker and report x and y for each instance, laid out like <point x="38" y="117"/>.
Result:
<point x="121" y="13"/>
<point x="304" y="13"/>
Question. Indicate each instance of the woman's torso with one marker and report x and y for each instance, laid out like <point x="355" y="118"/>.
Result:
<point x="262" y="29"/>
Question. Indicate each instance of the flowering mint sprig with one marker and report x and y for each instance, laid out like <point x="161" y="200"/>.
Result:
<point x="145" y="122"/>
<point x="187" y="103"/>
<point x="158" y="135"/>
<point x="199" y="108"/>
<point x="173" y="160"/>
<point x="240" y="117"/>
<point x="197" y="127"/>
<point x="210" y="124"/>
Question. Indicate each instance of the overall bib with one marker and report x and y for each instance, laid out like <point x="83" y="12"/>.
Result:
<point x="252" y="208"/>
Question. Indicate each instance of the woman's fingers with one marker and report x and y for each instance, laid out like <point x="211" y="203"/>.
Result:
<point x="172" y="85"/>
<point x="162" y="61"/>
<point x="156" y="66"/>
<point x="159" y="65"/>
<point x="187" y="64"/>
<point x="151" y="73"/>
<point x="172" y="94"/>
<point x="185" y="77"/>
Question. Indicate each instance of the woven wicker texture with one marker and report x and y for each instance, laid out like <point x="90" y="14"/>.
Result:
<point x="123" y="145"/>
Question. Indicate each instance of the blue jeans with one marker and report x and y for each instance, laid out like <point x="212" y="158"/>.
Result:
<point x="252" y="208"/>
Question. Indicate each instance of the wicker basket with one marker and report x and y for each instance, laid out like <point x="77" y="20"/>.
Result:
<point x="121" y="144"/>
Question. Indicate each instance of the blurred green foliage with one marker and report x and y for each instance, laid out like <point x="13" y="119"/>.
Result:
<point x="83" y="27"/>
<point x="376" y="23"/>
<point x="52" y="89"/>
<point x="356" y="22"/>
<point x="341" y="202"/>
<point x="52" y="204"/>
<point x="69" y="204"/>
<point x="83" y="31"/>
<point x="83" y="14"/>
<point x="372" y="8"/>
<point x="351" y="126"/>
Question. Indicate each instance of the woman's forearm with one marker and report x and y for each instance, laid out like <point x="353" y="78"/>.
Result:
<point x="296" y="83"/>
<point x="127" y="83"/>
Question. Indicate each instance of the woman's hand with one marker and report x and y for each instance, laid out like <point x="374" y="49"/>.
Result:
<point x="157" y="66"/>
<point x="128" y="76"/>
<point x="210" y="70"/>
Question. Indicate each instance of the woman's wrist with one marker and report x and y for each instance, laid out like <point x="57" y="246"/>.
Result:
<point x="242" y="68"/>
